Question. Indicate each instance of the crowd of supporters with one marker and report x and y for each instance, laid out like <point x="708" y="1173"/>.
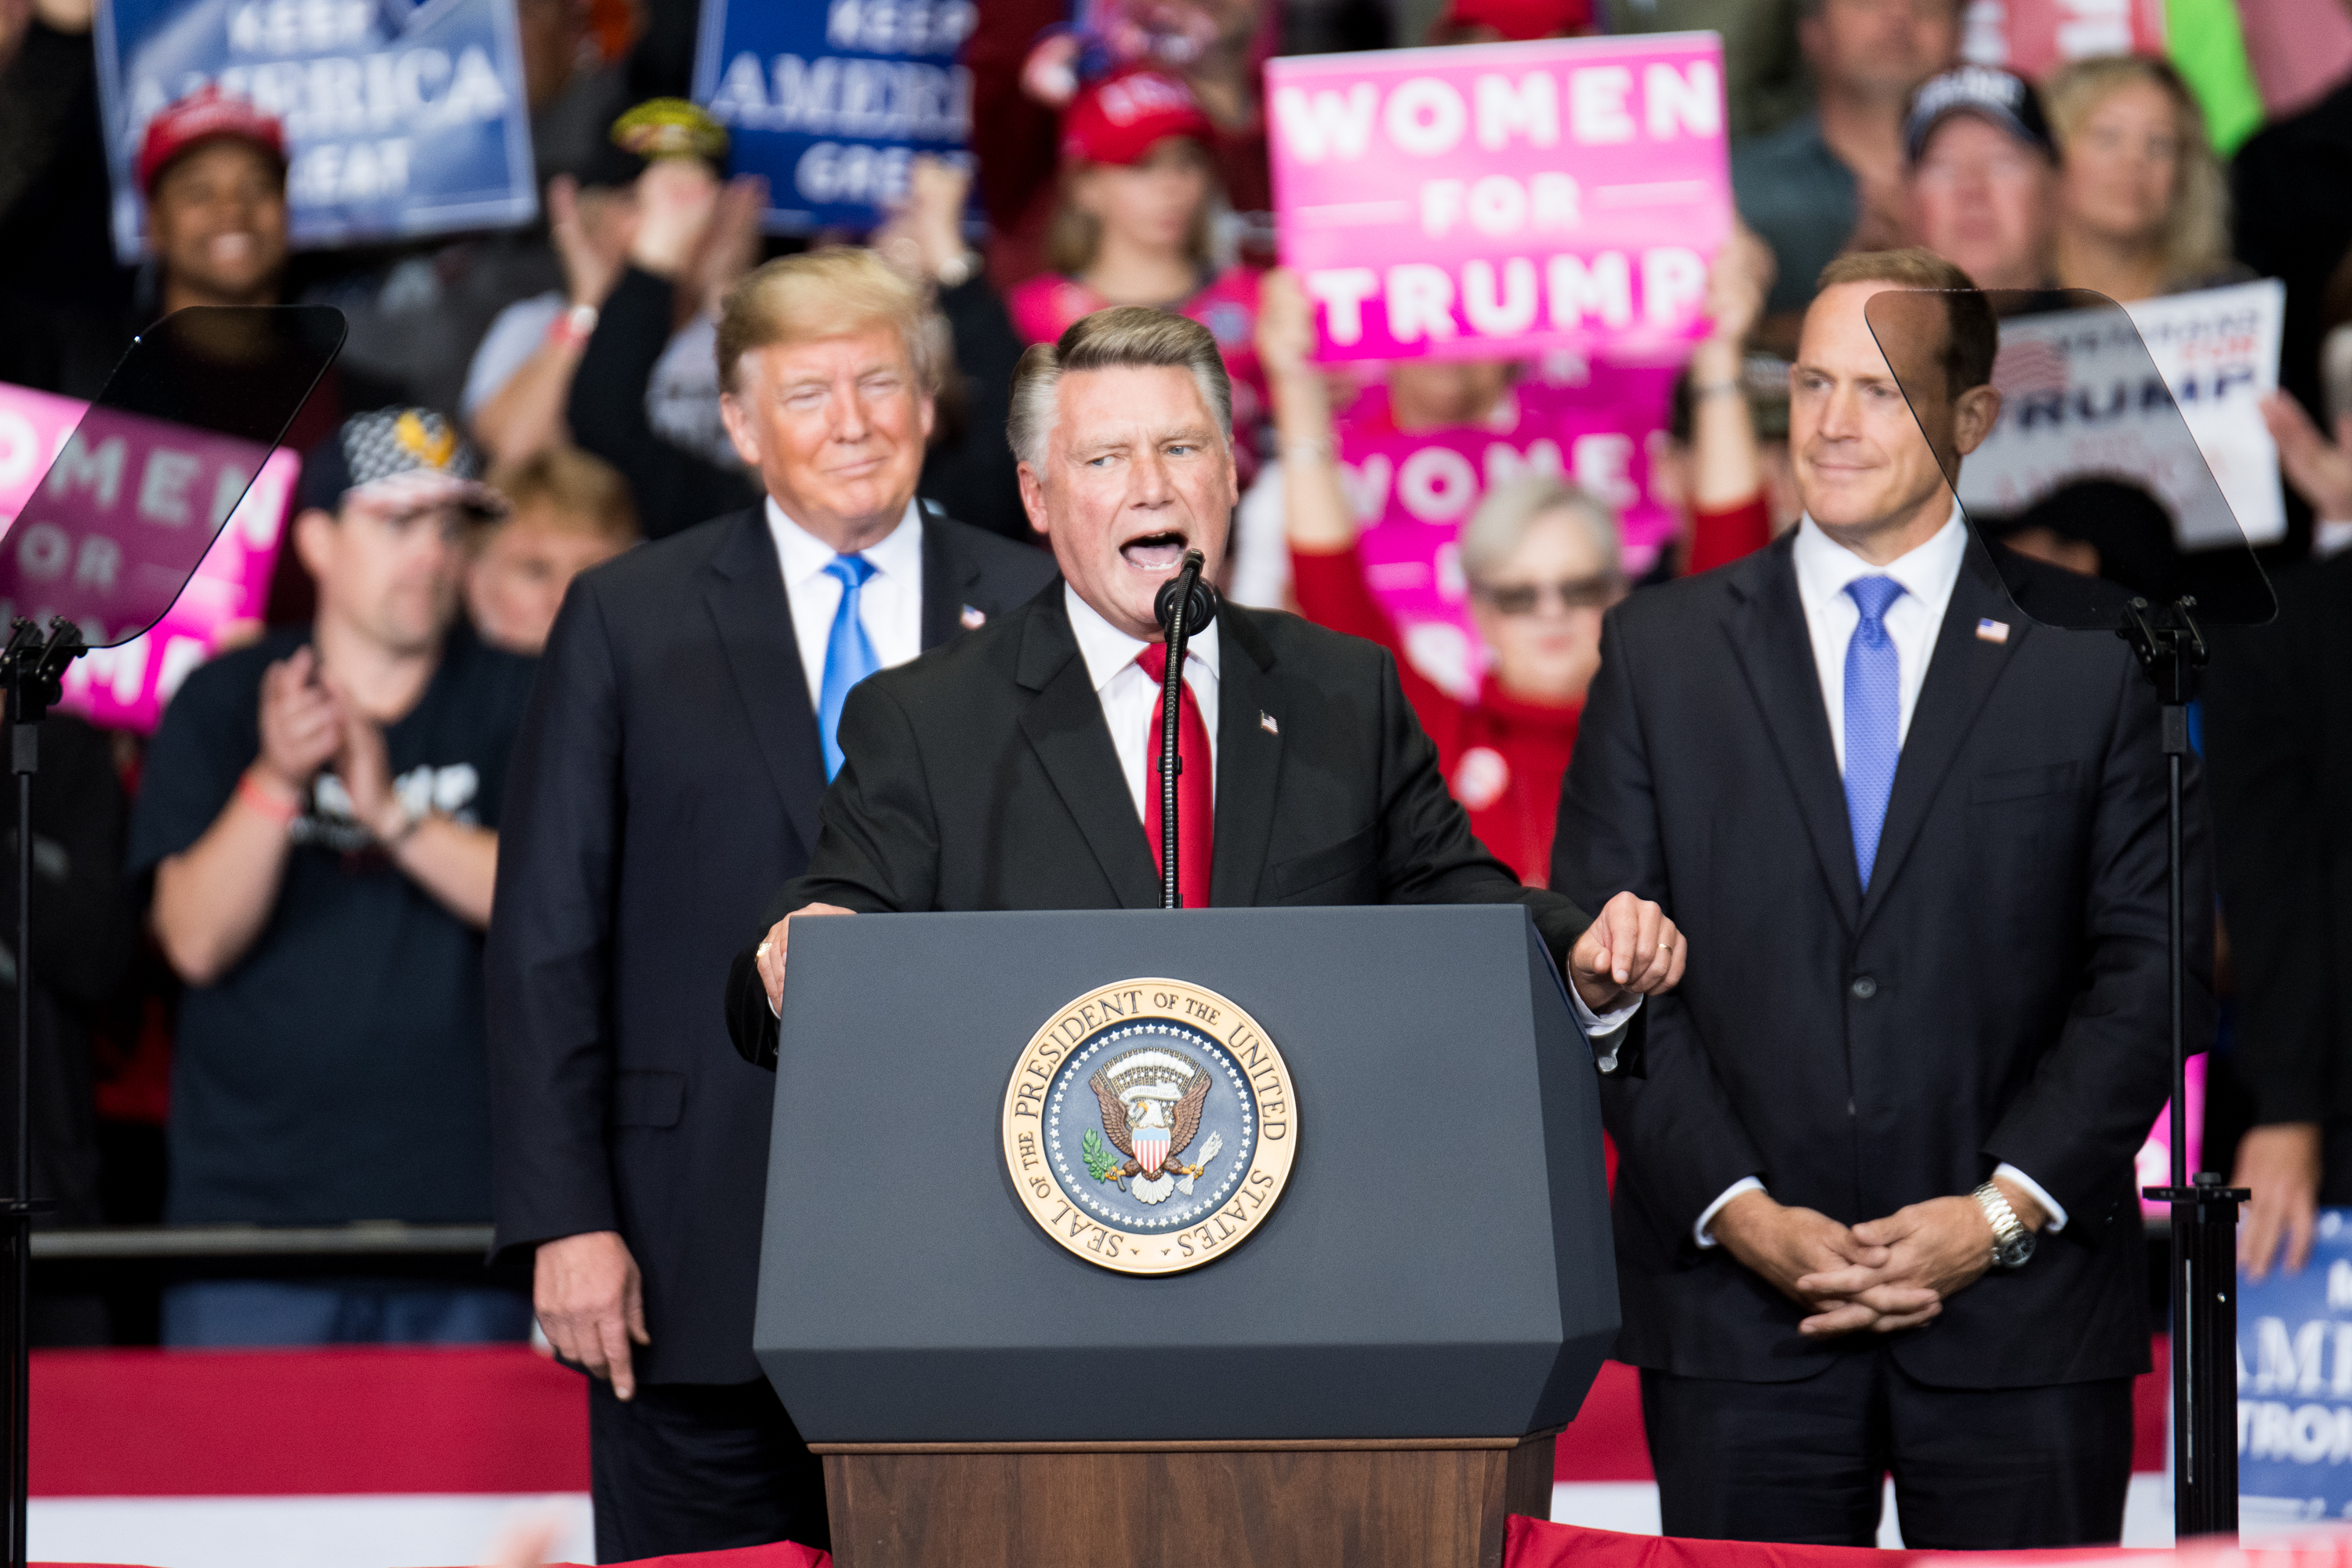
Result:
<point x="260" y="953"/>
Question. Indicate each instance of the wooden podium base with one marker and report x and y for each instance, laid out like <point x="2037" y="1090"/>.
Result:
<point x="1438" y="1503"/>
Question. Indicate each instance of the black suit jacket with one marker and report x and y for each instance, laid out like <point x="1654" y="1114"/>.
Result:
<point x="982" y="777"/>
<point x="2278" y="730"/>
<point x="1999" y="996"/>
<point x="666" y="780"/>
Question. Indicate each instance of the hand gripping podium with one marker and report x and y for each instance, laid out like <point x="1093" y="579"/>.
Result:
<point x="1368" y="1370"/>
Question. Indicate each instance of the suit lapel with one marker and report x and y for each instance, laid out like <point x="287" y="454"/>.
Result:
<point x="1960" y="675"/>
<point x="746" y="597"/>
<point x="948" y="579"/>
<point x="1776" y="655"/>
<point x="1249" y="761"/>
<point x="1064" y="722"/>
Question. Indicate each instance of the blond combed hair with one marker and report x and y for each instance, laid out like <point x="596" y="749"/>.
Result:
<point x="2196" y="224"/>
<point x="832" y="292"/>
<point x="581" y="492"/>
<point x="1123" y="337"/>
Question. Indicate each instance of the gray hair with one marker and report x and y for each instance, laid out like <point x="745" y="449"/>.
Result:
<point x="1510" y="508"/>
<point x="1124" y="337"/>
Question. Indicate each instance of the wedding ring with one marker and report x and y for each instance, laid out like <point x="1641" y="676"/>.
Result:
<point x="761" y="951"/>
<point x="1668" y="943"/>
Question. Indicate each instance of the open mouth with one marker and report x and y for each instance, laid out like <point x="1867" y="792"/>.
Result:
<point x="1154" y="551"/>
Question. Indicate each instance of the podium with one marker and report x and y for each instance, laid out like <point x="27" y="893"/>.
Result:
<point x="1373" y="1375"/>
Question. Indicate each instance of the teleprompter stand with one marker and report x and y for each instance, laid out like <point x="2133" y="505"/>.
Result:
<point x="32" y="665"/>
<point x="2204" y="1261"/>
<point x="1373" y="1376"/>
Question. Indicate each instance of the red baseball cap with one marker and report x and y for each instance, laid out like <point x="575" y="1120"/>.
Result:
<point x="204" y="115"/>
<point x="1520" y="21"/>
<point x="1119" y="119"/>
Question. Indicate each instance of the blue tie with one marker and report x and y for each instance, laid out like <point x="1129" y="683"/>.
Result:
<point x="849" y="656"/>
<point x="1874" y="718"/>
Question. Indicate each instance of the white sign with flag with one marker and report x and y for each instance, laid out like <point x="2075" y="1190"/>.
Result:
<point x="2076" y="402"/>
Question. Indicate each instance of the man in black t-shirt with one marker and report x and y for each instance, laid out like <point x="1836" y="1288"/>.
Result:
<point x="321" y="814"/>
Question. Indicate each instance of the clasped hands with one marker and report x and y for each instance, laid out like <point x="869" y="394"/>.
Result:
<point x="1883" y="1275"/>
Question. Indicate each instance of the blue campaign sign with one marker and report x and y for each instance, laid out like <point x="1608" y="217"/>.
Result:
<point x="401" y="117"/>
<point x="2294" y="1386"/>
<point x="830" y="99"/>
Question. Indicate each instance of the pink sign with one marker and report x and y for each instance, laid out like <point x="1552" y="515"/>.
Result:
<point x="1415" y="491"/>
<point x="2152" y="1166"/>
<point x="107" y="539"/>
<point x="1500" y="199"/>
<point x="2035" y="37"/>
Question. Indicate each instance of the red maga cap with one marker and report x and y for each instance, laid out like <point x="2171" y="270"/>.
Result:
<point x="1119" y="118"/>
<point x="204" y="115"/>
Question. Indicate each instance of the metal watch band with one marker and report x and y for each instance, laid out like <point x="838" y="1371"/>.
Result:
<point x="2006" y="1226"/>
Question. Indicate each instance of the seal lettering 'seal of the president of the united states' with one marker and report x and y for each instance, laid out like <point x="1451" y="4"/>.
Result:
<point x="1149" y="1126"/>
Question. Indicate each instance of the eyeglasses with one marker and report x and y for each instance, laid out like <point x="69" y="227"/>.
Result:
<point x="1526" y="599"/>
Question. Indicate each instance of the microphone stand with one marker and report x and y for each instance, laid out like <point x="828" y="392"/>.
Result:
<point x="2204" y="1262"/>
<point x="32" y="665"/>
<point x="1179" y="608"/>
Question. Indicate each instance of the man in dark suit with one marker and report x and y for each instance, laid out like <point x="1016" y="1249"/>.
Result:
<point x="1874" y="1203"/>
<point x="2278" y="735"/>
<point x="666" y="779"/>
<point x="1009" y="771"/>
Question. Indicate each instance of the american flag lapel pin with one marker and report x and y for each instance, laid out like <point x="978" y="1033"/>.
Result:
<point x="1990" y="630"/>
<point x="1265" y="722"/>
<point x="975" y="618"/>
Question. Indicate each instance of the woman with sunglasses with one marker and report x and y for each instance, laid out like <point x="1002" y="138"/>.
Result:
<point x="1541" y="557"/>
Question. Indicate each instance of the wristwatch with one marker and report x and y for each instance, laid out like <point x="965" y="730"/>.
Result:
<point x="2012" y="1244"/>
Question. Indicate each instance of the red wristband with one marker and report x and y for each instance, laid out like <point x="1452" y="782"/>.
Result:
<point x="266" y="801"/>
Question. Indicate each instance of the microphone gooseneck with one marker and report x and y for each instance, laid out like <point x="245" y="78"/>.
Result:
<point x="1200" y="603"/>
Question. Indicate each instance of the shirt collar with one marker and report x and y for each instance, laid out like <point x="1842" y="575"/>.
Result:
<point x="897" y="553"/>
<point x="1107" y="650"/>
<point x="1928" y="572"/>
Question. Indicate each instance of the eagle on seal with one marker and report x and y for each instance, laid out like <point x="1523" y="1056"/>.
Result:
<point x="1152" y="1140"/>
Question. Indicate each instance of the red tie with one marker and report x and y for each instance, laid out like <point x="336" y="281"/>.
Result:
<point x="1196" y="819"/>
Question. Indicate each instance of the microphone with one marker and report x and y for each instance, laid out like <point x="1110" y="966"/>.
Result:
<point x="1200" y="607"/>
<point x="1200" y="599"/>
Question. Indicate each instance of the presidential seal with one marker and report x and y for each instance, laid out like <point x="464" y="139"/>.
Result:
<point x="1149" y="1126"/>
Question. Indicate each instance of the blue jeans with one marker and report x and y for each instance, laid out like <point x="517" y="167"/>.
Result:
<point x="225" y="1313"/>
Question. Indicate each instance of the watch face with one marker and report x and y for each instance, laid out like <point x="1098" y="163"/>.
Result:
<point x="2012" y="1253"/>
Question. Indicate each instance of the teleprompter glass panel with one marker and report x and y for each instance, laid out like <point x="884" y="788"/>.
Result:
<point x="2088" y="464"/>
<point x="134" y="497"/>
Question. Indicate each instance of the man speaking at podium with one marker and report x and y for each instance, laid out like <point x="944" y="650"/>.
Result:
<point x="1011" y="772"/>
<point x="1874" y="1205"/>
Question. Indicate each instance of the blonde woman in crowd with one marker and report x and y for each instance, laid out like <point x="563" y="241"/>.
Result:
<point x="2143" y="209"/>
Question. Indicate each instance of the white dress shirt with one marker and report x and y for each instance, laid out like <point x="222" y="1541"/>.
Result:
<point x="889" y="606"/>
<point x="1928" y="574"/>
<point x="1128" y="696"/>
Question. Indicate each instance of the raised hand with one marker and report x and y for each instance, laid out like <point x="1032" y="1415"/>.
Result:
<point x="1738" y="284"/>
<point x="925" y="231"/>
<point x="677" y="198"/>
<point x="2319" y="470"/>
<point x="591" y="234"/>
<point x="302" y="723"/>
